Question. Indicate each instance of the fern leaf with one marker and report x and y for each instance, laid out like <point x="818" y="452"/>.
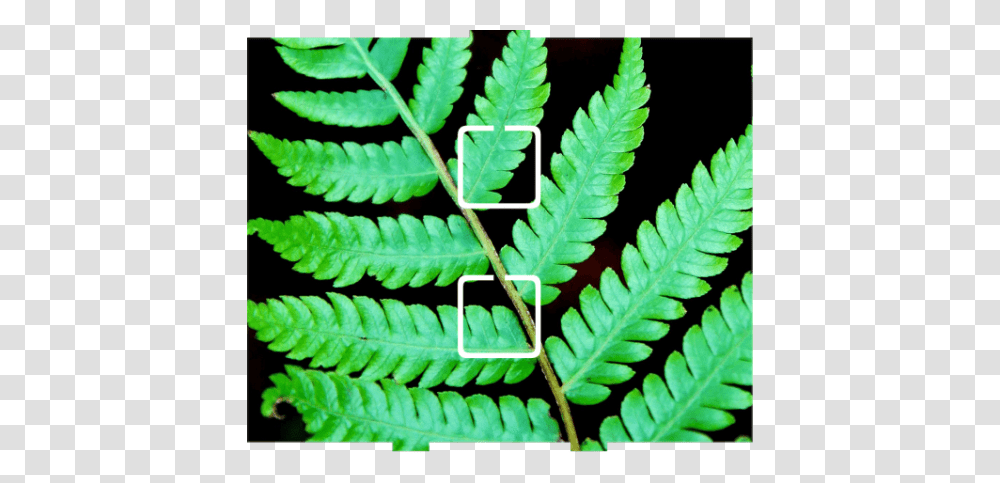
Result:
<point x="344" y="60"/>
<point x="338" y="408"/>
<point x="348" y="109"/>
<point x="588" y="178"/>
<point x="397" y="253"/>
<point x="336" y="63"/>
<point x="387" y="55"/>
<point x="718" y="355"/>
<point x="309" y="42"/>
<point x="386" y="338"/>
<point x="439" y="81"/>
<point x="514" y="97"/>
<point x="355" y="172"/>
<point x="669" y="263"/>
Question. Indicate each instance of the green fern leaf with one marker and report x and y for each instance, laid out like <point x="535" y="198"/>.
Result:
<point x="345" y="60"/>
<point x="386" y="338"/>
<point x="338" y="408"/>
<point x="588" y="178"/>
<point x="355" y="172"/>
<point x="439" y="81"/>
<point x="310" y="42"/>
<point x="348" y="109"/>
<point x="397" y="253"/>
<point x="337" y="63"/>
<point x="514" y="97"/>
<point x="670" y="262"/>
<point x="718" y="355"/>
<point x="387" y="55"/>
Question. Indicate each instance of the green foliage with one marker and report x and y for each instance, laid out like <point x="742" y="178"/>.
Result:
<point x="396" y="171"/>
<point x="310" y="42"/>
<point x="588" y="178"/>
<point x="396" y="253"/>
<point x="338" y="408"/>
<point x="349" y="109"/>
<point x="439" y="81"/>
<point x="514" y="97"/>
<point x="337" y="63"/>
<point x="353" y="172"/>
<point x="386" y="338"/>
<point x="718" y="356"/>
<point x="346" y="59"/>
<point x="373" y="349"/>
<point x="387" y="55"/>
<point x="669" y="264"/>
<point x="352" y="109"/>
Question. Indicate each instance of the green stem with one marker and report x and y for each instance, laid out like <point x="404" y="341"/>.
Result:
<point x="484" y="240"/>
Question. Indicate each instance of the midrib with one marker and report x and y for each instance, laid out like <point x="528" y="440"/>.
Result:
<point x="380" y="174"/>
<point x="391" y="254"/>
<point x="450" y="348"/>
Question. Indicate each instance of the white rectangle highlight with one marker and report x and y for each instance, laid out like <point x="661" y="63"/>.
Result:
<point x="499" y="355"/>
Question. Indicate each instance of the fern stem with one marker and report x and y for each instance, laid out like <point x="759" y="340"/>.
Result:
<point x="484" y="240"/>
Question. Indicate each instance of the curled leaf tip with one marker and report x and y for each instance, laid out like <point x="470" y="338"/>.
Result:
<point x="274" y="408"/>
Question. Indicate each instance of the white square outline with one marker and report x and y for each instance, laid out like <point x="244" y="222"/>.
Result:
<point x="538" y="170"/>
<point x="500" y="355"/>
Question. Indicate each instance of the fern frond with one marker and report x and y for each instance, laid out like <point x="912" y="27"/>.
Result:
<point x="348" y="109"/>
<point x="335" y="63"/>
<point x="439" y="81"/>
<point x="338" y="408"/>
<point x="355" y="172"/>
<point x="718" y="355"/>
<point x="386" y="338"/>
<point x="514" y="97"/>
<point x="310" y="42"/>
<point x="344" y="60"/>
<point x="396" y="253"/>
<point x="588" y="178"/>
<point x="669" y="264"/>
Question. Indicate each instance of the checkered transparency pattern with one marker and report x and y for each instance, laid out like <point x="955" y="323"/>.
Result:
<point x="123" y="258"/>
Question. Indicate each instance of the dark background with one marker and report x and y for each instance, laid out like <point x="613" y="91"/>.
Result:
<point x="700" y="99"/>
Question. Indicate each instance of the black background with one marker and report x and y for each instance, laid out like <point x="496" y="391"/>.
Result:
<point x="700" y="99"/>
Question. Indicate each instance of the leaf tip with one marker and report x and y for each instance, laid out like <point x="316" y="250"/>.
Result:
<point x="274" y="408"/>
